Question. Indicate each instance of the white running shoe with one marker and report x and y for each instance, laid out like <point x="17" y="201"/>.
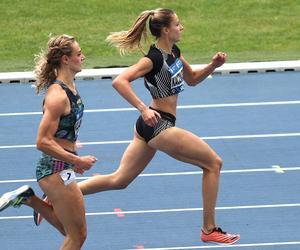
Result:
<point x="15" y="198"/>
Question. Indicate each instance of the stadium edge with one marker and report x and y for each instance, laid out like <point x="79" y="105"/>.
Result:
<point x="110" y="73"/>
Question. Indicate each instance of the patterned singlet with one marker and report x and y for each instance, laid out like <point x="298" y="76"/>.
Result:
<point x="166" y="77"/>
<point x="69" y="124"/>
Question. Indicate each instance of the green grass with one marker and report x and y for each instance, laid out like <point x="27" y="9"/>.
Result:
<point x="248" y="30"/>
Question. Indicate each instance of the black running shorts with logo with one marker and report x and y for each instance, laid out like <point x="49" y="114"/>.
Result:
<point x="48" y="165"/>
<point x="166" y="121"/>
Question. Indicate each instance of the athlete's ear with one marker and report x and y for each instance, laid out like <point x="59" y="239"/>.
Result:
<point x="65" y="59"/>
<point x="165" y="30"/>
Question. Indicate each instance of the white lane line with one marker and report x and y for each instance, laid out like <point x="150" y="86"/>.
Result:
<point x="288" y="243"/>
<point x="278" y="169"/>
<point x="226" y="137"/>
<point x="234" y="171"/>
<point x="20" y="114"/>
<point x="221" y="105"/>
<point x="174" y="210"/>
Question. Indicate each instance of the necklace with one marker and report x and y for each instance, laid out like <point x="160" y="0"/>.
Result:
<point x="163" y="51"/>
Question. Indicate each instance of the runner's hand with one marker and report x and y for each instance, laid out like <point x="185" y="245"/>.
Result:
<point x="78" y="170"/>
<point x="150" y="117"/>
<point x="85" y="162"/>
<point x="219" y="59"/>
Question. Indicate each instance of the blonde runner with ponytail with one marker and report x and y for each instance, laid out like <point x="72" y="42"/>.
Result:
<point x="131" y="40"/>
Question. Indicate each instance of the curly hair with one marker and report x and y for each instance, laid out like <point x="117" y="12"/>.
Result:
<point x="49" y="60"/>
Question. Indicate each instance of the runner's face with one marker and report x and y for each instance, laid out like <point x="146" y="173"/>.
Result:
<point x="175" y="29"/>
<point x="77" y="58"/>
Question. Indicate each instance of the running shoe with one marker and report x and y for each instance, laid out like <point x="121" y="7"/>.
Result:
<point x="219" y="237"/>
<point x="37" y="217"/>
<point x="15" y="198"/>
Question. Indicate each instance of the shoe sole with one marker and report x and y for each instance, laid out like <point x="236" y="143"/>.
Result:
<point x="222" y="244"/>
<point x="5" y="200"/>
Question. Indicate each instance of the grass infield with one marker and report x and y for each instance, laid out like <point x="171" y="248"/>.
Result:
<point x="248" y="30"/>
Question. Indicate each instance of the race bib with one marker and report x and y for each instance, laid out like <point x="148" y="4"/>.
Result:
<point x="177" y="82"/>
<point x="68" y="176"/>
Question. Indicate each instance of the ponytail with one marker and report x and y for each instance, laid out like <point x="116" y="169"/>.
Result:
<point x="129" y="41"/>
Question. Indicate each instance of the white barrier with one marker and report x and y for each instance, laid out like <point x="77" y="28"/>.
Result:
<point x="110" y="73"/>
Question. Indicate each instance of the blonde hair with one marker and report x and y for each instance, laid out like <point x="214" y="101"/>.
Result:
<point x="130" y="41"/>
<point x="49" y="60"/>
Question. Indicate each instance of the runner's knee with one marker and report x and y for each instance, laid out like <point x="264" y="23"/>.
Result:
<point x="78" y="237"/>
<point x="214" y="165"/>
<point x="218" y="163"/>
<point x="119" y="182"/>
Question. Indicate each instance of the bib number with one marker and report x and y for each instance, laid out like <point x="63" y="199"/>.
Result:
<point x="68" y="176"/>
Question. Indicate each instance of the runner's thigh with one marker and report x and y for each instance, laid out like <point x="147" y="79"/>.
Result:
<point x="184" y="146"/>
<point x="67" y="202"/>
<point x="135" y="158"/>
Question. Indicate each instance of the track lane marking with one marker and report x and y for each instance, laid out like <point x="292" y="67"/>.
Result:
<point x="207" y="138"/>
<point x="233" y="171"/>
<point x="172" y="210"/>
<point x="220" y="105"/>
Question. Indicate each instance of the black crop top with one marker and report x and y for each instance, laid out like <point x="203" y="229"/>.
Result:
<point x="166" y="77"/>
